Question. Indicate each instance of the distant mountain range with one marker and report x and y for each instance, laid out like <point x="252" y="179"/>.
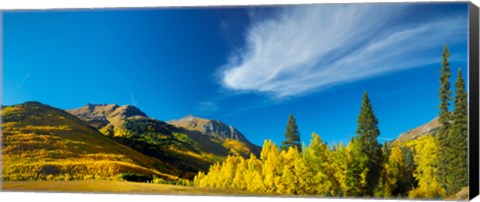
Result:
<point x="105" y="140"/>
<point x="114" y="134"/>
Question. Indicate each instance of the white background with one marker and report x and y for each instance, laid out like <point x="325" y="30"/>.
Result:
<point x="69" y="197"/>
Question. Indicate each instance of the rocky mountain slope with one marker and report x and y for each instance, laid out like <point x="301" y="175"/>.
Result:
<point x="189" y="149"/>
<point x="428" y="128"/>
<point x="213" y="128"/>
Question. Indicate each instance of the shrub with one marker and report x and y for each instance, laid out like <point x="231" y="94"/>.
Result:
<point x="134" y="177"/>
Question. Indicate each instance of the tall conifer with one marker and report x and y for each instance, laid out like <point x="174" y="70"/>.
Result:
<point x="444" y="117"/>
<point x="457" y="164"/>
<point x="367" y="134"/>
<point x="292" y="135"/>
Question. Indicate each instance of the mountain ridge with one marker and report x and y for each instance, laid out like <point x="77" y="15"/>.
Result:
<point x="212" y="127"/>
<point x="427" y="128"/>
<point x="190" y="150"/>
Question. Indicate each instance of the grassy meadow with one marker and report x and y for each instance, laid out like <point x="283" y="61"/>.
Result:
<point x="107" y="186"/>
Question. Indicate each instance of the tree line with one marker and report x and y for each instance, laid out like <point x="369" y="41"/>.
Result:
<point x="432" y="166"/>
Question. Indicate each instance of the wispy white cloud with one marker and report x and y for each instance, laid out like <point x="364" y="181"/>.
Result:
<point x="207" y="107"/>
<point x="132" y="100"/>
<point x="309" y="48"/>
<point x="22" y="82"/>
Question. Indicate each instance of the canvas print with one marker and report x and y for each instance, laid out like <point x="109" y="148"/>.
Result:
<point x="314" y="100"/>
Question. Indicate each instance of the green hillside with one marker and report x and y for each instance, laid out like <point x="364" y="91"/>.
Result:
<point x="228" y="136"/>
<point x="43" y="143"/>
<point x="189" y="151"/>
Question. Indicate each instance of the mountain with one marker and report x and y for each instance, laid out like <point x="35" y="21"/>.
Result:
<point x="187" y="149"/>
<point x="109" y="117"/>
<point x="428" y="128"/>
<point x="213" y="128"/>
<point x="41" y="142"/>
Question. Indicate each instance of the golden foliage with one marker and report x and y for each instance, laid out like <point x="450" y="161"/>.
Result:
<point x="426" y="149"/>
<point x="286" y="172"/>
<point x="319" y="170"/>
<point x="43" y="143"/>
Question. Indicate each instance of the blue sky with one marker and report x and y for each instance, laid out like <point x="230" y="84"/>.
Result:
<point x="247" y="66"/>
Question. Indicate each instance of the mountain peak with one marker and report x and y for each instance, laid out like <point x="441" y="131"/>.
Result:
<point x="128" y="111"/>
<point x="414" y="133"/>
<point x="209" y="127"/>
<point x="103" y="111"/>
<point x="191" y="117"/>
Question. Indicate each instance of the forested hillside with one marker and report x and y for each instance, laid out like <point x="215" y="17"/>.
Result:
<point x="44" y="143"/>
<point x="427" y="162"/>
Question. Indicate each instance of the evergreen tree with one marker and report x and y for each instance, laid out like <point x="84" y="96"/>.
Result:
<point x="444" y="117"/>
<point x="367" y="134"/>
<point x="292" y="135"/>
<point x="383" y="189"/>
<point x="457" y="156"/>
<point x="408" y="182"/>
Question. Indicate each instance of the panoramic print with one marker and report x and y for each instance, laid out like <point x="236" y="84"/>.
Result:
<point x="314" y="100"/>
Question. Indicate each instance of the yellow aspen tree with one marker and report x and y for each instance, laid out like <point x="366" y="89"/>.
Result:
<point x="241" y="179"/>
<point x="304" y="173"/>
<point x="426" y="151"/>
<point x="393" y="171"/>
<point x="214" y="175"/>
<point x="356" y="177"/>
<point x="396" y="166"/>
<point x="339" y="165"/>
<point x="316" y="158"/>
<point x="199" y="180"/>
<point x="228" y="171"/>
<point x="271" y="169"/>
<point x="254" y="174"/>
<point x="288" y="182"/>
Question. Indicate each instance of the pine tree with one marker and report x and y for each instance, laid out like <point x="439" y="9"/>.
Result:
<point x="383" y="189"/>
<point x="367" y="134"/>
<point x="457" y="156"/>
<point x="407" y="182"/>
<point x="444" y="117"/>
<point x="292" y="135"/>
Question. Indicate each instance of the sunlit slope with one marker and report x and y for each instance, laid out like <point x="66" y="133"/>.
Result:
<point x="42" y="142"/>
<point x="412" y="134"/>
<point x="187" y="150"/>
<point x="228" y="136"/>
